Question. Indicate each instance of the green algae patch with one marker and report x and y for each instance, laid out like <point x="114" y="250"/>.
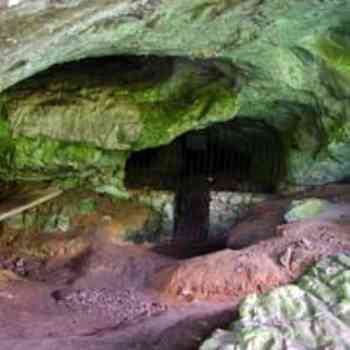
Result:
<point x="68" y="164"/>
<point x="306" y="209"/>
<point x="77" y="123"/>
<point x="335" y="50"/>
<point x="71" y="164"/>
<point x="267" y="40"/>
<point x="87" y="205"/>
<point x="338" y="128"/>
<point x="198" y="109"/>
<point x="312" y="314"/>
<point x="7" y="149"/>
<point x="121" y="104"/>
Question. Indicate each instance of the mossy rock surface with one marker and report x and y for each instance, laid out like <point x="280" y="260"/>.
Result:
<point x="312" y="314"/>
<point x="309" y="208"/>
<point x="288" y="60"/>
<point x="77" y="123"/>
<point x="61" y="214"/>
<point x="121" y="104"/>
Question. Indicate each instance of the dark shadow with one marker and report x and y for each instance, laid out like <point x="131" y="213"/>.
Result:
<point x="240" y="155"/>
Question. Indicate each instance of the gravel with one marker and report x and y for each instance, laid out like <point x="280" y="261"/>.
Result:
<point x="118" y="306"/>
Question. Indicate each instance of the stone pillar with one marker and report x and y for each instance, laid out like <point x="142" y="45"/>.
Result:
<point x="192" y="210"/>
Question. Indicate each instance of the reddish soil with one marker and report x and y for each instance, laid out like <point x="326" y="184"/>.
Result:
<point x="231" y="275"/>
<point x="100" y="296"/>
<point x="99" y="300"/>
<point x="260" y="224"/>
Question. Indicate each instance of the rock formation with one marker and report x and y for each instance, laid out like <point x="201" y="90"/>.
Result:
<point x="286" y="62"/>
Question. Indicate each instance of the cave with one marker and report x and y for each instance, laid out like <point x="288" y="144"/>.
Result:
<point x="169" y="123"/>
<point x="238" y="155"/>
<point x="77" y="123"/>
<point x="172" y="174"/>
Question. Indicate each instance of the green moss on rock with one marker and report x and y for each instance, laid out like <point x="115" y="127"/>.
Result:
<point x="77" y="123"/>
<point x="121" y="105"/>
<point x="306" y="209"/>
<point x="268" y="40"/>
<point x="7" y="148"/>
<point x="69" y="164"/>
<point x="335" y="49"/>
<point x="312" y="314"/>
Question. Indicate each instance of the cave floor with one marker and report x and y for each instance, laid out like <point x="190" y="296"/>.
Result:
<point x="105" y="296"/>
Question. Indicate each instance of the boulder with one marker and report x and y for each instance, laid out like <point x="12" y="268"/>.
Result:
<point x="309" y="208"/>
<point x="312" y="314"/>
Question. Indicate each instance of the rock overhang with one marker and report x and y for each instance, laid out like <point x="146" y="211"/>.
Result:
<point x="122" y="103"/>
<point x="38" y="34"/>
<point x="291" y="57"/>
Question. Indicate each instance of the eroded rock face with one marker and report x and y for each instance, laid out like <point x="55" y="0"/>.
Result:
<point x="310" y="314"/>
<point x="85" y="117"/>
<point x="291" y="66"/>
<point x="121" y="104"/>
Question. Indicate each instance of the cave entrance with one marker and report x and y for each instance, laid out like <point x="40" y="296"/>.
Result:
<point x="239" y="155"/>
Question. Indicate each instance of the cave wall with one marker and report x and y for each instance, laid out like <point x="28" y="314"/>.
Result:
<point x="285" y="61"/>
<point x="78" y="122"/>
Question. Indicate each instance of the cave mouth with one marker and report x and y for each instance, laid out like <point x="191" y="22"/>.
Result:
<point x="242" y="155"/>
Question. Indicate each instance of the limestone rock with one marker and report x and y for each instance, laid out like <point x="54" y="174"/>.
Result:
<point x="289" y="60"/>
<point x="58" y="215"/>
<point x="121" y="104"/>
<point x="306" y="209"/>
<point x="312" y="314"/>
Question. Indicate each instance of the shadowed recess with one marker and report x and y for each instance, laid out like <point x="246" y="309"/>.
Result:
<point x="242" y="154"/>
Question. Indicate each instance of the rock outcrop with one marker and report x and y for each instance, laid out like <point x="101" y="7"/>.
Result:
<point x="287" y="62"/>
<point x="312" y="314"/>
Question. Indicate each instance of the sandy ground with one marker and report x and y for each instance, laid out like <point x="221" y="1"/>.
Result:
<point x="168" y="297"/>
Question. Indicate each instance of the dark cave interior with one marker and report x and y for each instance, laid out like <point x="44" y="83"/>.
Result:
<point x="237" y="155"/>
<point x="240" y="155"/>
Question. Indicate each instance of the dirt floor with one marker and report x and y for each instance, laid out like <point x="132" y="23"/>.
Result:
<point x="100" y="296"/>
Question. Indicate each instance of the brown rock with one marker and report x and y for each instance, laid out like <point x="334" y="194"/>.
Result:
<point x="220" y="275"/>
<point x="262" y="225"/>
